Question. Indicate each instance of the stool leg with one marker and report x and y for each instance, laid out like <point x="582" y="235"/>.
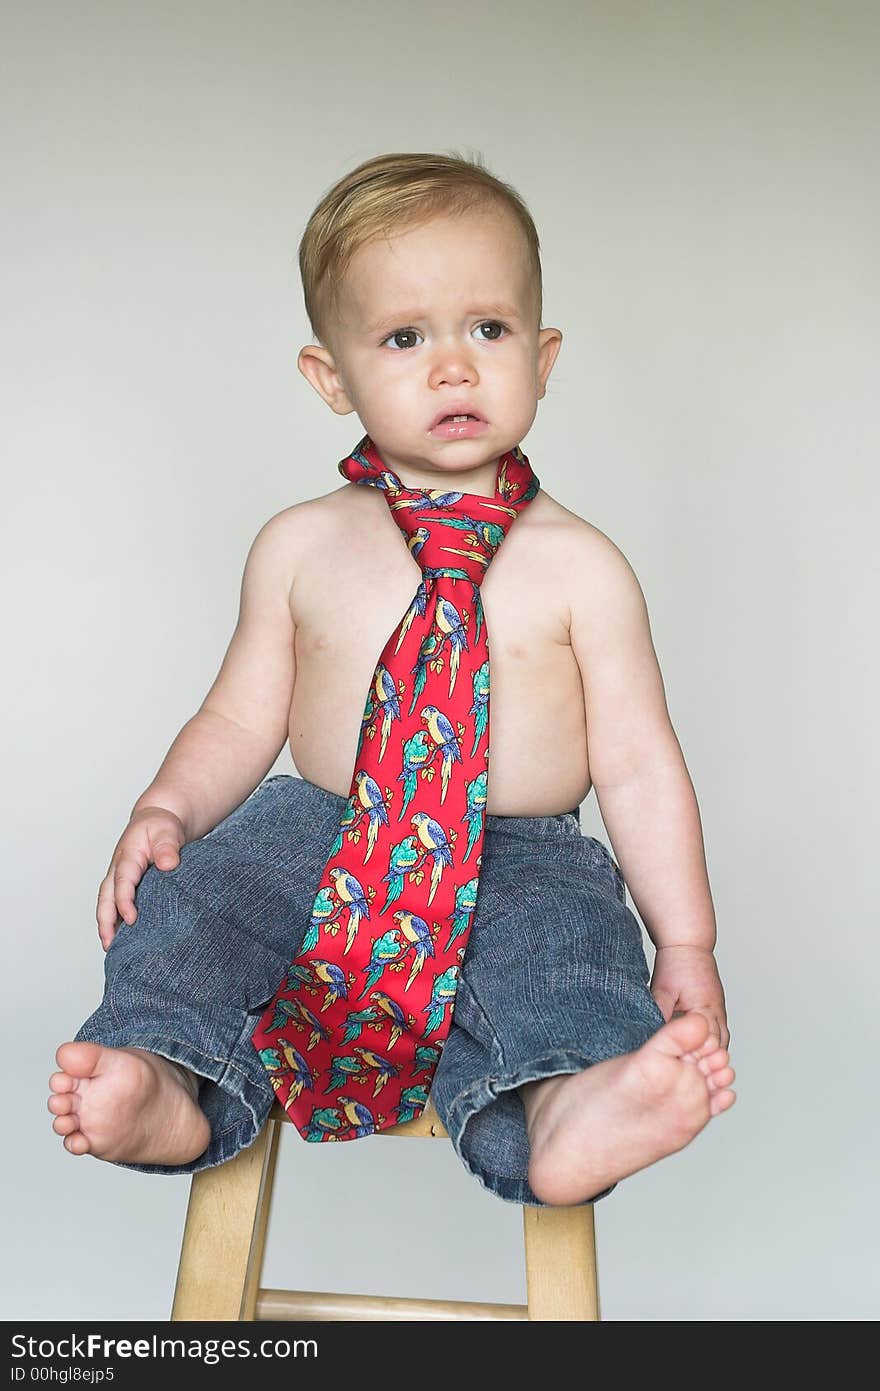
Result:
<point x="561" y="1262"/>
<point x="221" y="1257"/>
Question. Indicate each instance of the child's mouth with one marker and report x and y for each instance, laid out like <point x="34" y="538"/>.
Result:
<point x="458" y="427"/>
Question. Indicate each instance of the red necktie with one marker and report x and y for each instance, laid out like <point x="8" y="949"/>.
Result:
<point x="354" y="1032"/>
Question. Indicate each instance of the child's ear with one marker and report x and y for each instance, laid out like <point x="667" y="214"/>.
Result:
<point x="318" y="367"/>
<point x="549" y="343"/>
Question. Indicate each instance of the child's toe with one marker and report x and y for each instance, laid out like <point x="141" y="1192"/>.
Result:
<point x="76" y="1143"/>
<point x="78" y="1058"/>
<point x="721" y="1079"/>
<point x="721" y="1101"/>
<point x="709" y="1044"/>
<point x="713" y="1062"/>
<point x="682" y="1034"/>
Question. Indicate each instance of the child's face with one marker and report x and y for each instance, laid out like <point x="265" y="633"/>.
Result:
<point x="437" y="316"/>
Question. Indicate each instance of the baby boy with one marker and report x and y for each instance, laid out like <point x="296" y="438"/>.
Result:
<point x="564" y="1071"/>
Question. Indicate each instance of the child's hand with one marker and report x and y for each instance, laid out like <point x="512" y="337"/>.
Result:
<point x="152" y="836"/>
<point x="687" y="978"/>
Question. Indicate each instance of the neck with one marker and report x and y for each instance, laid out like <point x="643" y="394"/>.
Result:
<point x="480" y="481"/>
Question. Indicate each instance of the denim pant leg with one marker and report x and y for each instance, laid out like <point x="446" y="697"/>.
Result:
<point x="554" y="979"/>
<point x="190" y="978"/>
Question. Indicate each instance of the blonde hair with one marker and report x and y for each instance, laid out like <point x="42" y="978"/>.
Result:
<point x="385" y="195"/>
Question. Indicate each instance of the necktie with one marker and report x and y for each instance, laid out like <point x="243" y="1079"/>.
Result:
<point x="353" y="1035"/>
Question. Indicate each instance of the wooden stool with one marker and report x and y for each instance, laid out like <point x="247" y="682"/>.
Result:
<point x="227" y="1219"/>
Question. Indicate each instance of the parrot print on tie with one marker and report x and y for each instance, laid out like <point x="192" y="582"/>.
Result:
<point x="354" y="1033"/>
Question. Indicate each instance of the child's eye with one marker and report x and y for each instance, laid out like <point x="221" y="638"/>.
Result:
<point x="495" y="324"/>
<point x="400" y="333"/>
<point x="410" y="332"/>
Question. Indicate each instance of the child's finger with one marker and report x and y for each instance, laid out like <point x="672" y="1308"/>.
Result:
<point x="166" y="854"/>
<point x="105" y="911"/>
<point x="128" y="874"/>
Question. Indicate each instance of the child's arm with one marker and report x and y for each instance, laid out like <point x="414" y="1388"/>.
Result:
<point x="642" y="784"/>
<point x="230" y="743"/>
<point x="226" y="749"/>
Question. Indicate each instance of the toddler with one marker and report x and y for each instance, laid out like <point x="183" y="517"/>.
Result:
<point x="563" y="1070"/>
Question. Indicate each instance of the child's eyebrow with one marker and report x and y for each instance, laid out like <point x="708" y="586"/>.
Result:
<point x="507" y="310"/>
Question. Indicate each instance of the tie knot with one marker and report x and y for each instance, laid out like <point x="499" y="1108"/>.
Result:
<point x="450" y="534"/>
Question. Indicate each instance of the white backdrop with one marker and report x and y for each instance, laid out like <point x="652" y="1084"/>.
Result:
<point x="704" y="181"/>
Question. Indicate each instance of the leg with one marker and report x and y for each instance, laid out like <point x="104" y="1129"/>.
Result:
<point x="552" y="1001"/>
<point x="222" y="1253"/>
<point x="163" y="1077"/>
<point x="154" y="1078"/>
<point x="561" y="1274"/>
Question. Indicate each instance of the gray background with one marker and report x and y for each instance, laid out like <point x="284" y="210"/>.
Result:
<point x="704" y="182"/>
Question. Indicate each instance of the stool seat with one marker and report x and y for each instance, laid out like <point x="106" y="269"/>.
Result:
<point x="224" y="1238"/>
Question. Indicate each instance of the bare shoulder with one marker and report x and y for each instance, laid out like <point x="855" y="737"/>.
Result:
<point x="315" y="515"/>
<point x="283" y="541"/>
<point x="593" y="571"/>
<point x="302" y="517"/>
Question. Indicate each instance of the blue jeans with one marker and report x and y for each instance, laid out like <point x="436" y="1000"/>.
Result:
<point x="554" y="977"/>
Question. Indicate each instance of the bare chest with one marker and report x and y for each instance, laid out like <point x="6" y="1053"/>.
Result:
<point x="347" y="600"/>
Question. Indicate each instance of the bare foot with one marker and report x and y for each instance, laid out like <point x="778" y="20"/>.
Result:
<point x="590" y="1129"/>
<point x="125" y="1104"/>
